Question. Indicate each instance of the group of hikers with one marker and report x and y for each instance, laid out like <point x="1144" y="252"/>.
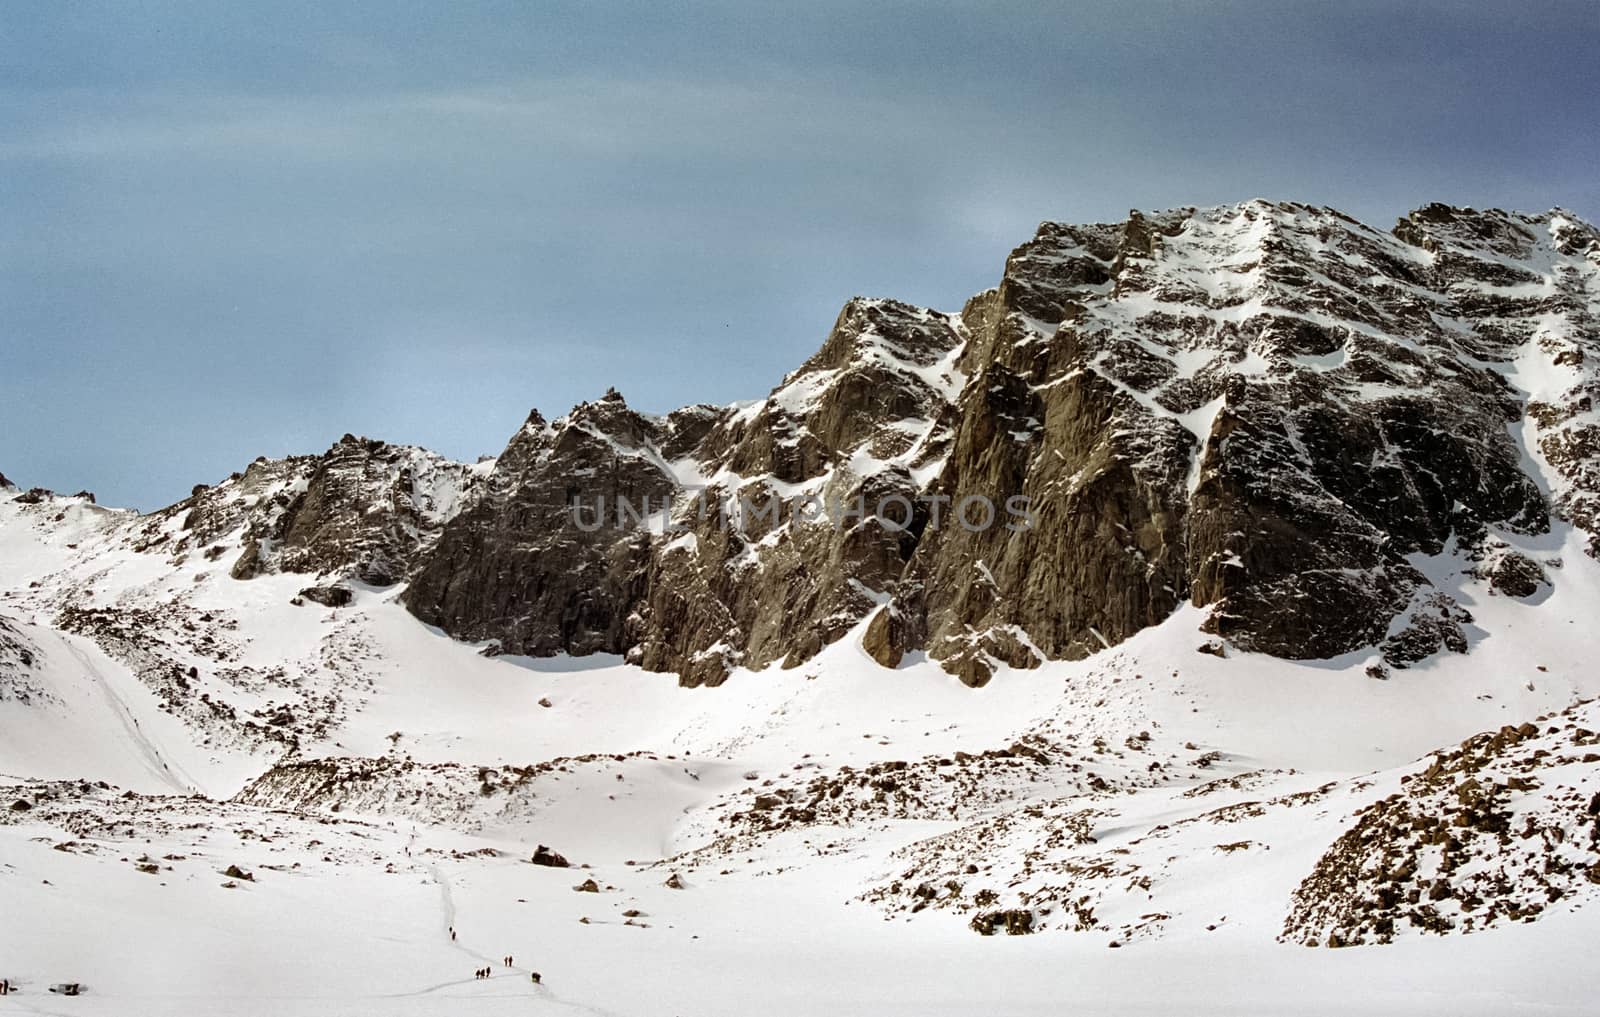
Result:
<point x="7" y="987"/>
<point x="486" y="972"/>
<point x="507" y="960"/>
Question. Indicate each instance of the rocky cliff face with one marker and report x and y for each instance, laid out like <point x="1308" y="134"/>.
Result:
<point x="772" y="565"/>
<point x="732" y="572"/>
<point x="519" y="567"/>
<point x="1269" y="409"/>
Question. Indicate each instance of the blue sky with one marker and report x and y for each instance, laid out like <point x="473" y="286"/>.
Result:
<point x="232" y="232"/>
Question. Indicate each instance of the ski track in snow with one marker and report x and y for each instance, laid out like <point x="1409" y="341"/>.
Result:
<point x="154" y="758"/>
<point x="500" y="970"/>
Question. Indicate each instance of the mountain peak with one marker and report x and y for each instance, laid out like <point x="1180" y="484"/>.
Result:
<point x="1251" y="408"/>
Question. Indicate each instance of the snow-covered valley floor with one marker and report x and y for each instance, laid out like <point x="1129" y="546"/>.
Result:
<point x="821" y="840"/>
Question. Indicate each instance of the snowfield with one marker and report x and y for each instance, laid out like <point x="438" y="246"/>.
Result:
<point x="214" y="800"/>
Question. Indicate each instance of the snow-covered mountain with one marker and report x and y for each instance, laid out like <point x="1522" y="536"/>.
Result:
<point x="1295" y="649"/>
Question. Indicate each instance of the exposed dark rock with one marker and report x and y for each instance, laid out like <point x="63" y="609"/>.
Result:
<point x="518" y="566"/>
<point x="1515" y="574"/>
<point x="1431" y="625"/>
<point x="248" y="566"/>
<point x="1015" y="922"/>
<point x="887" y="638"/>
<point x="328" y="596"/>
<point x="544" y="856"/>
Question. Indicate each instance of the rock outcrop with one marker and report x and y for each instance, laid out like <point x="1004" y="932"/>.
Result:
<point x="19" y="661"/>
<point x="364" y="508"/>
<point x="453" y="794"/>
<point x="1496" y="830"/>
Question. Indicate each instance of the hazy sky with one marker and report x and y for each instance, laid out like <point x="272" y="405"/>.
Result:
<point x="231" y="231"/>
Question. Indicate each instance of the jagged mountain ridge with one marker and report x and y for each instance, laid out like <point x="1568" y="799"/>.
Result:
<point x="868" y="413"/>
<point x="1265" y="408"/>
<point x="1269" y="409"/>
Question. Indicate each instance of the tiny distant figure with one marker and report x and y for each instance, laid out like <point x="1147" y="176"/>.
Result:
<point x="534" y="975"/>
<point x="452" y="935"/>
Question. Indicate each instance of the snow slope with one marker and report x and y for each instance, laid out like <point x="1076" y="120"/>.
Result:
<point x="1155" y="797"/>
